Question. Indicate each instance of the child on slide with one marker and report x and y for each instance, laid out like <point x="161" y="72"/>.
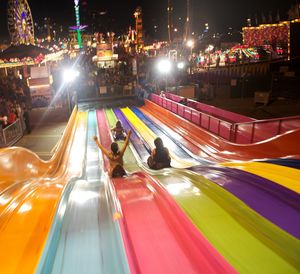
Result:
<point x="119" y="132"/>
<point x="160" y="157"/>
<point x="115" y="156"/>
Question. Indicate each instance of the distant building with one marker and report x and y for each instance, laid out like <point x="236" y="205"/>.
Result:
<point x="285" y="33"/>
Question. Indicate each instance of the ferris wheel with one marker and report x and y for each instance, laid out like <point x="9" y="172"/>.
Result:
<point x="20" y="23"/>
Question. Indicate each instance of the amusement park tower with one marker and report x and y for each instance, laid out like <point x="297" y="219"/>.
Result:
<point x="139" y="27"/>
<point x="170" y="20"/>
<point x="78" y="29"/>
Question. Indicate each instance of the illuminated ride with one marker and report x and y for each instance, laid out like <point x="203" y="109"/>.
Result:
<point x="66" y="215"/>
<point x="20" y="22"/>
<point x="78" y="28"/>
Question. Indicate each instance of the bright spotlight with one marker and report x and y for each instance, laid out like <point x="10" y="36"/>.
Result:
<point x="164" y="66"/>
<point x="180" y="65"/>
<point x="70" y="75"/>
<point x="190" y="43"/>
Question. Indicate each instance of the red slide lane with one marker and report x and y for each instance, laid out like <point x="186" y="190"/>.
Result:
<point x="162" y="237"/>
<point x="283" y="146"/>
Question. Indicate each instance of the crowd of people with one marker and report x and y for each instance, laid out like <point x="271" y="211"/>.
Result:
<point x="15" y="101"/>
<point x="119" y="75"/>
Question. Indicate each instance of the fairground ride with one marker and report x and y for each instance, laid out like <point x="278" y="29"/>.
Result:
<point x="20" y="22"/>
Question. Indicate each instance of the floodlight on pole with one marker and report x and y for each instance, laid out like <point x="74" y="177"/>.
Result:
<point x="70" y="75"/>
<point x="190" y="43"/>
<point x="180" y="65"/>
<point x="164" y="66"/>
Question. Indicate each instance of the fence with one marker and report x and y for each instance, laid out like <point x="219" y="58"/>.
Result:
<point x="253" y="132"/>
<point x="212" y="124"/>
<point x="255" y="69"/>
<point x="242" y="133"/>
<point x="12" y="133"/>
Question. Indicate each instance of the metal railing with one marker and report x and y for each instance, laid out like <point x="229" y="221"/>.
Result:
<point x="212" y="110"/>
<point x="241" y="133"/>
<point x="259" y="130"/>
<point x="212" y="124"/>
<point x="11" y="134"/>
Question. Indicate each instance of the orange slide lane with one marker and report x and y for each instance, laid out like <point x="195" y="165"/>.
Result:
<point x="282" y="146"/>
<point x="17" y="163"/>
<point x="19" y="166"/>
<point x="29" y="203"/>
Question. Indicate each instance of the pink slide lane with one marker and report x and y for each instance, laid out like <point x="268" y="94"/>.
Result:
<point x="161" y="237"/>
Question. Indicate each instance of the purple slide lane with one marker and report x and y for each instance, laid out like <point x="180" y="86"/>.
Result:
<point x="162" y="237"/>
<point x="277" y="204"/>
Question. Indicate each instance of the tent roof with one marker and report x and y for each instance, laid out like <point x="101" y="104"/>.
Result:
<point x="23" y="51"/>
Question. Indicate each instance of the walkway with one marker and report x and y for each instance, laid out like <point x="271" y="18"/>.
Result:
<point x="47" y="129"/>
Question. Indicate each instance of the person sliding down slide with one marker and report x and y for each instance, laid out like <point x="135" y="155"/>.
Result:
<point x="118" y="132"/>
<point x="115" y="157"/>
<point x="160" y="157"/>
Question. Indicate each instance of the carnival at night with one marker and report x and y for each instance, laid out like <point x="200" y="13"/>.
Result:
<point x="154" y="137"/>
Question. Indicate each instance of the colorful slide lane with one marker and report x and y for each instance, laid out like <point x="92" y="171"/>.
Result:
<point x="28" y="205"/>
<point x="161" y="238"/>
<point x="283" y="175"/>
<point x="278" y="204"/>
<point x="273" y="204"/>
<point x="283" y="146"/>
<point x="282" y="240"/>
<point x="150" y="136"/>
<point x="169" y="139"/>
<point x="67" y="216"/>
<point x="84" y="237"/>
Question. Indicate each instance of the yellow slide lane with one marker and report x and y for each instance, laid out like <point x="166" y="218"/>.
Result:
<point x="149" y="137"/>
<point x="27" y="212"/>
<point x="285" y="176"/>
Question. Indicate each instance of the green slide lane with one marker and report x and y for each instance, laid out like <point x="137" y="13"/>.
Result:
<point x="241" y="235"/>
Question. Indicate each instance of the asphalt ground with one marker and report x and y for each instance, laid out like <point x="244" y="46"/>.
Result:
<point x="47" y="128"/>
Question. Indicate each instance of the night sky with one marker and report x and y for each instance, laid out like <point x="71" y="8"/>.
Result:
<point x="220" y="14"/>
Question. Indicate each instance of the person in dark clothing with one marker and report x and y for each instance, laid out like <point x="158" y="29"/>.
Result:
<point x="183" y="101"/>
<point x="160" y="157"/>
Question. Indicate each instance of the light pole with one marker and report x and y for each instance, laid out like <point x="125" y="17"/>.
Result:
<point x="180" y="65"/>
<point x="164" y="67"/>
<point x="69" y="76"/>
<point x="190" y="44"/>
